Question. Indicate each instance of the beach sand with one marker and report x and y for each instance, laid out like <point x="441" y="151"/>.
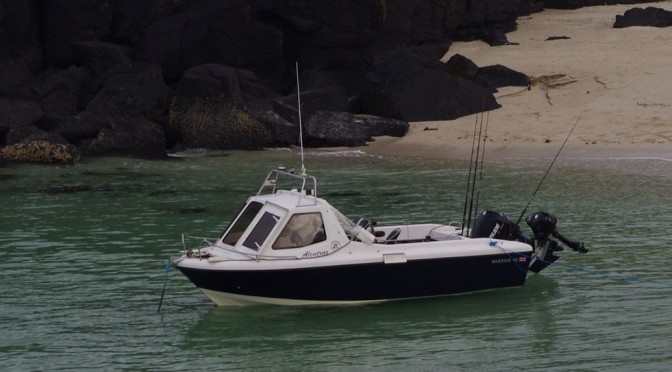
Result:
<point x="614" y="84"/>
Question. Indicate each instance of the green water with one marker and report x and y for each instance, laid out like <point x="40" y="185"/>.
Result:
<point x="83" y="249"/>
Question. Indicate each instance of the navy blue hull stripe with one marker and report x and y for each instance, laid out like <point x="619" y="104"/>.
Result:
<point x="376" y="281"/>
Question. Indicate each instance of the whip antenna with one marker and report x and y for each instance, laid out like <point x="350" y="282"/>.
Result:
<point x="549" y="168"/>
<point x="298" y="99"/>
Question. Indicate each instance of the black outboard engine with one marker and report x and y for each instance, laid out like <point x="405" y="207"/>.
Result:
<point x="543" y="227"/>
<point x="496" y="225"/>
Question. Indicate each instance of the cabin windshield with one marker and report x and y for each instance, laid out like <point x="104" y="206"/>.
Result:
<point x="242" y="222"/>
<point x="261" y="231"/>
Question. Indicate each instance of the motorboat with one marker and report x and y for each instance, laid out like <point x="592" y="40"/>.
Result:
<point x="287" y="246"/>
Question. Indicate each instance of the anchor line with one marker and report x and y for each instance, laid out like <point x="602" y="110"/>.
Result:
<point x="168" y="268"/>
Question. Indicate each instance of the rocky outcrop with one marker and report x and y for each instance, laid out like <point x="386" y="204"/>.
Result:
<point x="18" y="114"/>
<point x="651" y="17"/>
<point x="126" y="77"/>
<point x="328" y="129"/>
<point x="40" y="151"/>
<point x="407" y="89"/>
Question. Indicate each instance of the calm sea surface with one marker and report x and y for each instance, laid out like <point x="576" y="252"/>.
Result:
<point x="84" y="247"/>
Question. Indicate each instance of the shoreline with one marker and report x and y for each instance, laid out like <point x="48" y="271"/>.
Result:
<point x="612" y="84"/>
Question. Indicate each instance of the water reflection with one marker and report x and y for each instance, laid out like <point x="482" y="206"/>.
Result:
<point x="383" y="334"/>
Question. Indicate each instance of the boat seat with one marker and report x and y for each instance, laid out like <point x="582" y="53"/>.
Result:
<point x="363" y="222"/>
<point x="392" y="237"/>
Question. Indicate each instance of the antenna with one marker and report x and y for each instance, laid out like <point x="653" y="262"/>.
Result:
<point x="298" y="99"/>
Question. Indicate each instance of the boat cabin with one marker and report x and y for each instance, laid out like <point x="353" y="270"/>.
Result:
<point x="292" y="222"/>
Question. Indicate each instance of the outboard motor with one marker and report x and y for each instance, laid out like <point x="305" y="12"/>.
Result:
<point x="543" y="227"/>
<point x="496" y="225"/>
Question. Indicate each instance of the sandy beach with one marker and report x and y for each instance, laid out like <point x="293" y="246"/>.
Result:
<point x="614" y="84"/>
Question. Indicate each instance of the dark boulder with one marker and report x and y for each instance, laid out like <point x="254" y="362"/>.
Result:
<point x="136" y="89"/>
<point x="282" y="132"/>
<point x="59" y="91"/>
<point x="565" y="4"/>
<point x="127" y="136"/>
<point x="333" y="98"/>
<point x="19" y="23"/>
<point x="334" y="35"/>
<point x="379" y="126"/>
<point x="461" y="66"/>
<point x="494" y="37"/>
<point x="95" y="135"/>
<point x="20" y="47"/>
<point x="32" y="133"/>
<point x="240" y="86"/>
<point x="404" y="88"/>
<point x="215" y="122"/>
<point x="329" y="129"/>
<point x="18" y="66"/>
<point x="224" y="32"/>
<point x="527" y="7"/>
<point x="487" y="20"/>
<point x="652" y="17"/>
<point x="497" y="76"/>
<point x="131" y="18"/>
<point x="64" y="22"/>
<point x="222" y="107"/>
<point x="40" y="151"/>
<point x="17" y="114"/>
<point x="81" y="127"/>
<point x="99" y="56"/>
<point x="315" y="78"/>
<point x="490" y="77"/>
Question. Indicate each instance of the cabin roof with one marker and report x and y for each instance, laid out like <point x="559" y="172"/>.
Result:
<point x="291" y="199"/>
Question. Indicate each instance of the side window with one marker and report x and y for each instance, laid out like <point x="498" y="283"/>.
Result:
<point x="244" y="219"/>
<point x="301" y="230"/>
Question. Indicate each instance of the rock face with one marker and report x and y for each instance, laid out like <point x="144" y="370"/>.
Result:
<point x="407" y="89"/>
<point x="653" y="17"/>
<point x="127" y="77"/>
<point x="40" y="151"/>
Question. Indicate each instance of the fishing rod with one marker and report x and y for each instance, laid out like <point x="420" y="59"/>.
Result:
<point x="480" y="176"/>
<point x="478" y="154"/>
<point x="473" y="164"/>
<point x="469" y="185"/>
<point x="549" y="169"/>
